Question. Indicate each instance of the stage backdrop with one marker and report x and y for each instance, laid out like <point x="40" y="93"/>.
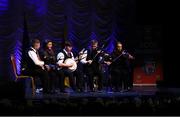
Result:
<point x="148" y="65"/>
<point x="76" y="20"/>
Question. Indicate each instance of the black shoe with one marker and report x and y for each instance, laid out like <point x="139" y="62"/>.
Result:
<point x="129" y="88"/>
<point x="56" y="91"/>
<point x="80" y="90"/>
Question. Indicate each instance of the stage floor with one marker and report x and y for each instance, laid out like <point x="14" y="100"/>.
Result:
<point x="137" y="91"/>
<point x="139" y="101"/>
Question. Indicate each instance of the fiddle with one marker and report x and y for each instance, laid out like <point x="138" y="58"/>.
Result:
<point x="102" y="54"/>
<point x="124" y="52"/>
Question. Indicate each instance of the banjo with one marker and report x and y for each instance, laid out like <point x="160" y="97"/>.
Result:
<point x="73" y="62"/>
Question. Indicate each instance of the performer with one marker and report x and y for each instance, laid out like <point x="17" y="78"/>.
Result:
<point x="105" y="57"/>
<point x="91" y="60"/>
<point x="63" y="69"/>
<point x="79" y="73"/>
<point x="49" y="57"/>
<point x="36" y="67"/>
<point x="120" y="68"/>
<point x="82" y="83"/>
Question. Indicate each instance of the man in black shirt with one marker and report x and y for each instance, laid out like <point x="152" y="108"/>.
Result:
<point x="93" y="66"/>
<point x="120" y="68"/>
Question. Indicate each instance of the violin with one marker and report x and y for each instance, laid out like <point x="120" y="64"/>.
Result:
<point x="124" y="52"/>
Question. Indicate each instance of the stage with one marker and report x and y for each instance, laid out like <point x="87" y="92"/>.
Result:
<point x="137" y="91"/>
<point x="141" y="100"/>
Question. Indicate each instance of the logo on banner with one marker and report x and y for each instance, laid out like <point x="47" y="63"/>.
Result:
<point x="149" y="67"/>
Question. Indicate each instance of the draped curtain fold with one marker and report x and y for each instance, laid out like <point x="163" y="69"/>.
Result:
<point x="76" y="20"/>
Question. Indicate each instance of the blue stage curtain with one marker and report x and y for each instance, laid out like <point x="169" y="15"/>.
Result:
<point x="76" y="20"/>
<point x="11" y="36"/>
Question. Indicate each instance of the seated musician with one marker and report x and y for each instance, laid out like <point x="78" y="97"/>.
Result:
<point x="36" y="67"/>
<point x="119" y="68"/>
<point x="63" y="69"/>
<point x="49" y="57"/>
<point x="91" y="60"/>
<point x="79" y="71"/>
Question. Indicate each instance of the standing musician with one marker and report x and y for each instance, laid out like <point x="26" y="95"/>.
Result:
<point x="91" y="60"/>
<point x="65" y="67"/>
<point x="120" y="68"/>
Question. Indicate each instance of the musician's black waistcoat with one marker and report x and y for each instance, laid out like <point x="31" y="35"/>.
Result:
<point x="90" y="56"/>
<point x="66" y="56"/>
<point x="30" y="63"/>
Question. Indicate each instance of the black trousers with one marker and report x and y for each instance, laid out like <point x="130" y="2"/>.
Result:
<point x="44" y="78"/>
<point x="120" y="78"/>
<point x="79" y="79"/>
<point x="91" y="73"/>
<point x="66" y="73"/>
<point x="106" y="75"/>
<point x="53" y="79"/>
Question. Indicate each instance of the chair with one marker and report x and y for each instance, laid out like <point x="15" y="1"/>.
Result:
<point x="66" y="82"/>
<point x="22" y="76"/>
